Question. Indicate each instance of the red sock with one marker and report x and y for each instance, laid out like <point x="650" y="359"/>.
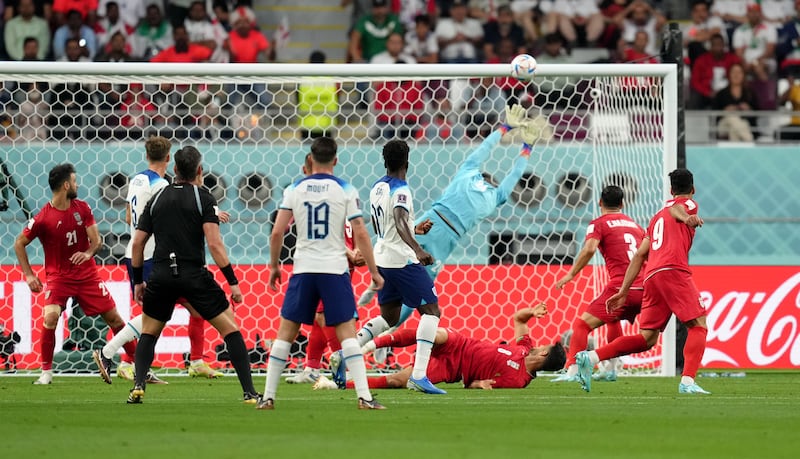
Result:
<point x="613" y="331"/>
<point x="197" y="337"/>
<point x="374" y="382"/>
<point x="693" y="350"/>
<point x="48" y="347"/>
<point x="623" y="345"/>
<point x="130" y="347"/>
<point x="330" y="337"/>
<point x="400" y="338"/>
<point x="578" y="340"/>
<point x="316" y="346"/>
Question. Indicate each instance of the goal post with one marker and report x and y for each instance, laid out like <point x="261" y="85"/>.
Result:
<point x="598" y="123"/>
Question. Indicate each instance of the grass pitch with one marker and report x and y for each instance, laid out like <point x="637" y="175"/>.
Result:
<point x="80" y="417"/>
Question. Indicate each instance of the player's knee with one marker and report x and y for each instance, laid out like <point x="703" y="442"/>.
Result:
<point x="51" y="320"/>
<point x="430" y="309"/>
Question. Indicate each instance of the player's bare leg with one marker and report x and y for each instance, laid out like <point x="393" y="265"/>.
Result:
<point x="48" y="345"/>
<point x="692" y="355"/>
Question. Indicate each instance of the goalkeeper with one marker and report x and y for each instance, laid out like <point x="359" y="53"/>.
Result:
<point x="468" y="198"/>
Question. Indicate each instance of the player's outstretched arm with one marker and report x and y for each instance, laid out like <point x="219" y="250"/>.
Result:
<point x="515" y="117"/>
<point x="586" y="254"/>
<point x="529" y="136"/>
<point x="618" y="299"/>
<point x="678" y="212"/>
<point x="275" y="243"/>
<point x="20" y="248"/>
<point x="522" y="316"/>
<point x="364" y="245"/>
<point x="407" y="236"/>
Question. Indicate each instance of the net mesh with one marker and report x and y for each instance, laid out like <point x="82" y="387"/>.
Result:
<point x="254" y="133"/>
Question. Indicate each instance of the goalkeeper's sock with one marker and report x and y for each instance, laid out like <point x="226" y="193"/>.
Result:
<point x="400" y="338"/>
<point x="48" y="347"/>
<point x="315" y="347"/>
<point x="130" y="332"/>
<point x="623" y="345"/>
<point x="240" y="360"/>
<point x="331" y="338"/>
<point x="613" y="331"/>
<point x="374" y="382"/>
<point x="693" y="350"/>
<point x="371" y="329"/>
<point x="579" y="339"/>
<point x="278" y="355"/>
<point x="354" y="360"/>
<point x="144" y="357"/>
<point x="197" y="337"/>
<point x="426" y="334"/>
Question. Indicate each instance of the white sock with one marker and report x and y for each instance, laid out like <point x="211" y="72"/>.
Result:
<point x="130" y="332"/>
<point x="612" y="365"/>
<point x="426" y="334"/>
<point x="572" y="370"/>
<point x="369" y="347"/>
<point x="371" y="329"/>
<point x="593" y="357"/>
<point x="687" y="380"/>
<point x="278" y="356"/>
<point x="355" y="365"/>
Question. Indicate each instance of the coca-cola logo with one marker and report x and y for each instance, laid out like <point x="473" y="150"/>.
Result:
<point x="766" y="324"/>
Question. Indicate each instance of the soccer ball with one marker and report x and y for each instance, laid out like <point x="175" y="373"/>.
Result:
<point x="523" y="67"/>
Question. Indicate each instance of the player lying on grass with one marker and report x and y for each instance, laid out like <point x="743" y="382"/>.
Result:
<point x="480" y="364"/>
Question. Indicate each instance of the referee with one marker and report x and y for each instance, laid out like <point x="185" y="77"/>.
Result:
<point x="182" y="217"/>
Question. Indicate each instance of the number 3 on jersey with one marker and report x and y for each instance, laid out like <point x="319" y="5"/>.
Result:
<point x="318" y="217"/>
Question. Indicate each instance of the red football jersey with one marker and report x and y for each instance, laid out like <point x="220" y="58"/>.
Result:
<point x="62" y="234"/>
<point x="670" y="240"/>
<point x="503" y="363"/>
<point x="619" y="238"/>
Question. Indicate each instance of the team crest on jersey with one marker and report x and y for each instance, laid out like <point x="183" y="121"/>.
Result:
<point x="78" y="218"/>
<point x="401" y="198"/>
<point x="30" y="224"/>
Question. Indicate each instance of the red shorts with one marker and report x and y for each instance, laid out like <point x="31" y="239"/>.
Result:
<point x="667" y="292"/>
<point x="628" y="312"/>
<point x="92" y="294"/>
<point x="445" y="363"/>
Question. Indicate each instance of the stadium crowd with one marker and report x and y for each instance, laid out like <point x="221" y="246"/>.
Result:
<point x="763" y="37"/>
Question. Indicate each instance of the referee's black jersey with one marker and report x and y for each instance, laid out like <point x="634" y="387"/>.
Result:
<point x="175" y="217"/>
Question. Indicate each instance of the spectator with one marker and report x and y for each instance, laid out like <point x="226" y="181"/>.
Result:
<point x="247" y="45"/>
<point x="709" y="74"/>
<point x="697" y="37"/>
<point x="397" y="108"/>
<point x="526" y="14"/>
<point x="734" y="98"/>
<point x="395" y="46"/>
<point x="639" y="15"/>
<point x="571" y="17"/>
<point x="206" y="32"/>
<point x="514" y="90"/>
<point x="75" y="28"/>
<point x="459" y="36"/>
<point x="223" y="14"/>
<point x="32" y="112"/>
<point x="408" y="10"/>
<point x="754" y="42"/>
<point x="30" y="50"/>
<point x="421" y="41"/>
<point x="502" y="28"/>
<point x="86" y="8"/>
<point x="777" y="12"/>
<point x="131" y="12"/>
<point x="360" y="8"/>
<point x="23" y="26"/>
<point x="637" y="51"/>
<point x="791" y="96"/>
<point x="70" y="101"/>
<point x="487" y="11"/>
<point x="788" y="47"/>
<point x="152" y="36"/>
<point x="317" y="104"/>
<point x="178" y="11"/>
<point x="108" y="98"/>
<point x="183" y="50"/>
<point x="369" y="35"/>
<point x="42" y="9"/>
<point x="554" y="92"/>
<point x="117" y="49"/>
<point x="109" y="24"/>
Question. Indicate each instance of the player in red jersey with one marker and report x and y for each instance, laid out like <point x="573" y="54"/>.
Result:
<point x="617" y="236"/>
<point x="668" y="287"/>
<point x="70" y="239"/>
<point x="478" y="364"/>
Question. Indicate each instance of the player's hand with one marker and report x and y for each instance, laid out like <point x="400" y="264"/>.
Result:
<point x="34" y="283"/>
<point x="564" y="281"/>
<point x="424" y="257"/>
<point x="236" y="294"/>
<point x="515" y="116"/>
<point x="485" y="384"/>
<point x="530" y="133"/>
<point x="355" y="257"/>
<point x="694" y="221"/>
<point x="616" y="301"/>
<point x="377" y="282"/>
<point x="274" y="278"/>
<point x="79" y="257"/>
<point x="224" y="217"/>
<point x="138" y="293"/>
<point x="423" y="227"/>
<point x="539" y="311"/>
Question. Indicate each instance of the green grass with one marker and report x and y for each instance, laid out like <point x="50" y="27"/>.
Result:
<point x="753" y="417"/>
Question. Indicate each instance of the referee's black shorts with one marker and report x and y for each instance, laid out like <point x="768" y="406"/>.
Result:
<point x="197" y="286"/>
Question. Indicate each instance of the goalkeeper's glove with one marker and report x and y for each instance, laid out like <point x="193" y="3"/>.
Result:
<point x="515" y="117"/>
<point x="530" y="134"/>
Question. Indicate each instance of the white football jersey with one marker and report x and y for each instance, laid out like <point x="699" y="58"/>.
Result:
<point x="321" y="204"/>
<point x="140" y="189"/>
<point x="390" y="250"/>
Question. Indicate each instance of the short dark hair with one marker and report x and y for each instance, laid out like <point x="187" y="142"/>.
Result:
<point x="395" y="155"/>
<point x="556" y="358"/>
<point x="612" y="196"/>
<point x="187" y="160"/>
<point x="681" y="181"/>
<point x="553" y="38"/>
<point x="317" y="57"/>
<point x="71" y="40"/>
<point x="422" y="19"/>
<point x="157" y="147"/>
<point x="323" y="150"/>
<point x="59" y="175"/>
<point x="30" y="39"/>
<point x="717" y="36"/>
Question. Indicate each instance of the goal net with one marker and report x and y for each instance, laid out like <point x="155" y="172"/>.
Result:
<point x="598" y="124"/>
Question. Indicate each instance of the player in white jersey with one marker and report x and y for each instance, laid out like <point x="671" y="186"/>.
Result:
<point x="320" y="204"/>
<point x="141" y="188"/>
<point x="401" y="262"/>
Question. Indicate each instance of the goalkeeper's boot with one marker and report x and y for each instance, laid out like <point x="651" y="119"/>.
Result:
<point x="204" y="370"/>
<point x="692" y="388"/>
<point x="369" y="404"/>
<point x="339" y="369"/>
<point x="105" y="365"/>
<point x="151" y="378"/>
<point x="265" y="404"/>
<point x="608" y="376"/>
<point x="423" y="385"/>
<point x="324" y="383"/>
<point x="585" y="368"/>
<point x="251" y="398"/>
<point x="45" y="378"/>
<point x="136" y="395"/>
<point x="307" y="376"/>
<point x="125" y="371"/>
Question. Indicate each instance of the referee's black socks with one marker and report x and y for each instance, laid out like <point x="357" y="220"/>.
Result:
<point x="145" y="350"/>
<point x="240" y="360"/>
